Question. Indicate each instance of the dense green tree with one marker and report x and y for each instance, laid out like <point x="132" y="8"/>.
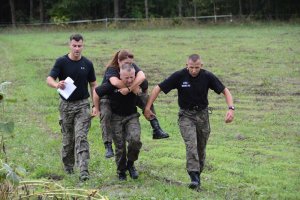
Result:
<point x="25" y="11"/>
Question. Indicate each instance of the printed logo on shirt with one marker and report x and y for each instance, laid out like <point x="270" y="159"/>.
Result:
<point x="185" y="84"/>
<point x="82" y="67"/>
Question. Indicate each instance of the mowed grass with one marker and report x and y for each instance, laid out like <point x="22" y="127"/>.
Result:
<point x="255" y="157"/>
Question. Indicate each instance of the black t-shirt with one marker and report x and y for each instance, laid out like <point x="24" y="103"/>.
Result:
<point x="115" y="72"/>
<point x="82" y="72"/>
<point x="123" y="105"/>
<point x="192" y="91"/>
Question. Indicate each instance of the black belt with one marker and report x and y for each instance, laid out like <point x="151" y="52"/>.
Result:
<point x="197" y="108"/>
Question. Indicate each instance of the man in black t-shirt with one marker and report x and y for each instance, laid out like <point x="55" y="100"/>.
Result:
<point x="75" y="110"/>
<point x="192" y="84"/>
<point x="112" y="75"/>
<point x="125" y="123"/>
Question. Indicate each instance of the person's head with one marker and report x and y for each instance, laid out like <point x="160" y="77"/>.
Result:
<point x="127" y="74"/>
<point x="194" y="64"/>
<point x="120" y="58"/>
<point x="76" y="46"/>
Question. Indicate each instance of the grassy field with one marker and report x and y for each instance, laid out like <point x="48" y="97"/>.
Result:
<point x="255" y="157"/>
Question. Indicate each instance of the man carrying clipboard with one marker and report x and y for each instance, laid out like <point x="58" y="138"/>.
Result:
<point x="74" y="71"/>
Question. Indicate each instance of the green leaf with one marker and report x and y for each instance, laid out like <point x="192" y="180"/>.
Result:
<point x="11" y="176"/>
<point x="20" y="171"/>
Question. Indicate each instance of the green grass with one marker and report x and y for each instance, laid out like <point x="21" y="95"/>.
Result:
<point x="255" y="157"/>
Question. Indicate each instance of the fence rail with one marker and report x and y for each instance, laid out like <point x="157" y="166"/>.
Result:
<point x="109" y="20"/>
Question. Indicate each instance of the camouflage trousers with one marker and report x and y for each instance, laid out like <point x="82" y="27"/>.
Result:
<point x="126" y="129"/>
<point x="105" y="115"/>
<point x="75" y="124"/>
<point x="195" y="130"/>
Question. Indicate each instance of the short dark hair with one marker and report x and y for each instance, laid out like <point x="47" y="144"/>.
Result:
<point x="77" y="37"/>
<point x="194" y="57"/>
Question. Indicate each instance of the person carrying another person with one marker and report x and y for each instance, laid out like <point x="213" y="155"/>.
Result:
<point x="112" y="75"/>
<point x="124" y="119"/>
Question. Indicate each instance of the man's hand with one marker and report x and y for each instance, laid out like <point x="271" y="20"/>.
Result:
<point x="137" y="90"/>
<point x="229" y="116"/>
<point x="148" y="114"/>
<point x="124" y="91"/>
<point x="95" y="112"/>
<point x="61" y="84"/>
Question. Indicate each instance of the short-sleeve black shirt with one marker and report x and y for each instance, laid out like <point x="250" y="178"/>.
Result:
<point x="123" y="105"/>
<point x="115" y="72"/>
<point x="82" y="72"/>
<point x="192" y="91"/>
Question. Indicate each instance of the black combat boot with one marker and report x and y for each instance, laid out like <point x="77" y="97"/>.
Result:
<point x="195" y="180"/>
<point x="131" y="169"/>
<point x="108" y="150"/>
<point x="84" y="176"/>
<point x="69" y="170"/>
<point x="122" y="176"/>
<point x="158" y="133"/>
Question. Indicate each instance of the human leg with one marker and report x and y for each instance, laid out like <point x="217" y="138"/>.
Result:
<point x="105" y="123"/>
<point x="68" y="137"/>
<point x="188" y="132"/>
<point x="203" y="132"/>
<point x="133" y="134"/>
<point x="120" y="145"/>
<point x="158" y="133"/>
<point x="82" y="124"/>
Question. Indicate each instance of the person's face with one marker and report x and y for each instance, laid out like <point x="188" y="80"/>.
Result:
<point x="127" y="77"/>
<point x="194" y="67"/>
<point x="126" y="61"/>
<point x="76" y="48"/>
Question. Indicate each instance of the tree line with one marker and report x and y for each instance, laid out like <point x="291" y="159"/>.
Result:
<point x="33" y="11"/>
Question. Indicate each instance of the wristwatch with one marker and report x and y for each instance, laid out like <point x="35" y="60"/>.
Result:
<point x="231" y="107"/>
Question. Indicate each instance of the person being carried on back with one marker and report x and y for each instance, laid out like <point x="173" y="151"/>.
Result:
<point x="125" y="123"/>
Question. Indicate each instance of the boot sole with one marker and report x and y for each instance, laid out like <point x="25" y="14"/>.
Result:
<point x="109" y="156"/>
<point x="157" y="138"/>
<point x="194" y="186"/>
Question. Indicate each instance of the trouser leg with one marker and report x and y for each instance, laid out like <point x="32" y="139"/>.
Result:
<point x="82" y="124"/>
<point x="105" y="120"/>
<point x="120" y="143"/>
<point x="203" y="132"/>
<point x="133" y="134"/>
<point x="189" y="135"/>
<point x="158" y="133"/>
<point x="68" y="138"/>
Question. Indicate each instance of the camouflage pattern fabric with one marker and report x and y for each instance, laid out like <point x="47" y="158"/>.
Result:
<point x="105" y="117"/>
<point x="195" y="130"/>
<point x="75" y="123"/>
<point x="105" y="114"/>
<point x="126" y="129"/>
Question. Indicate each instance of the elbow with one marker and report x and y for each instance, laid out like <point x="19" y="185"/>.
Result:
<point x="49" y="80"/>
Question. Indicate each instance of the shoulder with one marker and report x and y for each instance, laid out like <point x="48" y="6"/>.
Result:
<point x="206" y="73"/>
<point x="182" y="72"/>
<point x="136" y="67"/>
<point x="61" y="59"/>
<point x="112" y="69"/>
<point x="86" y="60"/>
